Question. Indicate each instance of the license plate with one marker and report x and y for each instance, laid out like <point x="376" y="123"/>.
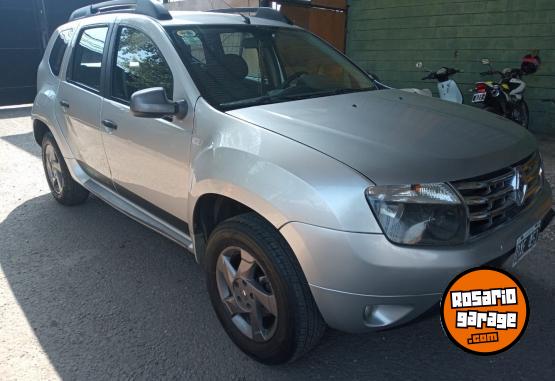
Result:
<point x="526" y="242"/>
<point x="478" y="97"/>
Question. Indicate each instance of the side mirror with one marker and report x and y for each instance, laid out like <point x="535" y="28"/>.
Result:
<point x="153" y="103"/>
<point x="485" y="61"/>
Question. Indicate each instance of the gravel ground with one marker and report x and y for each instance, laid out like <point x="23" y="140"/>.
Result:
<point x="87" y="293"/>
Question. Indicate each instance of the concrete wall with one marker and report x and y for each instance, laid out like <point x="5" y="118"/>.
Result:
<point x="388" y="36"/>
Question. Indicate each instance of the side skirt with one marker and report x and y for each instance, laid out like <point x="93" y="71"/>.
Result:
<point x="138" y="214"/>
<point x="128" y="208"/>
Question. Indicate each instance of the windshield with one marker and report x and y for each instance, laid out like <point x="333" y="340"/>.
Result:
<point x="245" y="65"/>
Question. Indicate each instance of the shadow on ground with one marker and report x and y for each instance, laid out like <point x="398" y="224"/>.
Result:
<point x="108" y="298"/>
<point x="15" y="112"/>
<point x="25" y="142"/>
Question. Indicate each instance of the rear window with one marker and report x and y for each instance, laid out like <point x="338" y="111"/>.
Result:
<point x="58" y="50"/>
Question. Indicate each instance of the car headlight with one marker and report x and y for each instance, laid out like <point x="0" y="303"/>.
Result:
<point x="420" y="214"/>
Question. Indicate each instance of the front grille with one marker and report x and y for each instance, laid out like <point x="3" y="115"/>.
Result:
<point x="495" y="198"/>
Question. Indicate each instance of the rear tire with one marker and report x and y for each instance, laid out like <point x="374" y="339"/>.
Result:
<point x="249" y="244"/>
<point x="522" y="115"/>
<point x="64" y="189"/>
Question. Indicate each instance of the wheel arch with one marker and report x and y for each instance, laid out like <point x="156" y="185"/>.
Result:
<point x="211" y="208"/>
<point x="40" y="128"/>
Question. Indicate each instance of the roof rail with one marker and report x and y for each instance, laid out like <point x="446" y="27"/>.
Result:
<point x="142" y="7"/>
<point x="262" y="12"/>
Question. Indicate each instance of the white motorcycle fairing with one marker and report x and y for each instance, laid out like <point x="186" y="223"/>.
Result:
<point x="449" y="91"/>
<point x="425" y="92"/>
<point x="516" y="93"/>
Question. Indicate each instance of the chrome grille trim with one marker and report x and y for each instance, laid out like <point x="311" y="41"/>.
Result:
<point x="480" y="200"/>
<point x="494" y="199"/>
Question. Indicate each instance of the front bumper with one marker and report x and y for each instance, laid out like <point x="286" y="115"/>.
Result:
<point x="363" y="282"/>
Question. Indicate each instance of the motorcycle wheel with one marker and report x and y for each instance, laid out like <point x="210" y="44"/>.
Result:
<point x="521" y="114"/>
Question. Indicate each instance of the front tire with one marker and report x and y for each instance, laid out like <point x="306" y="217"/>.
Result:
<point x="64" y="189"/>
<point x="259" y="291"/>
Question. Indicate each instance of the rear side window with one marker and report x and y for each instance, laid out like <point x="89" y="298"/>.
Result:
<point x="138" y="65"/>
<point x="87" y="57"/>
<point x="58" y="50"/>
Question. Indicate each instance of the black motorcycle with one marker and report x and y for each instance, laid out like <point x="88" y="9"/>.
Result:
<point x="506" y="96"/>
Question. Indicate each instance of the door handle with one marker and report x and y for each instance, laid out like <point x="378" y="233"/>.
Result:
<point x="109" y="124"/>
<point x="64" y="104"/>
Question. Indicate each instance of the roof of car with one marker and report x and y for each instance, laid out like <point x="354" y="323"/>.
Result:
<point x="215" y="18"/>
<point x="150" y="8"/>
<point x="181" y="18"/>
<point x="188" y="18"/>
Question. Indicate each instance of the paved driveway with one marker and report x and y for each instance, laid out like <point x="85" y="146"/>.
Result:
<point x="86" y="293"/>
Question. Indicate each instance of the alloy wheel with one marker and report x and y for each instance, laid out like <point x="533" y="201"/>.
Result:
<point x="246" y="292"/>
<point x="54" y="169"/>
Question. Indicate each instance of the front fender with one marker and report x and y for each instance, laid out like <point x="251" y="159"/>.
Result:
<point x="279" y="178"/>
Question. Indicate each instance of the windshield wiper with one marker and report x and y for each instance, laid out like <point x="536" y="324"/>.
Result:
<point x="325" y="93"/>
<point x="265" y="99"/>
<point x="280" y="97"/>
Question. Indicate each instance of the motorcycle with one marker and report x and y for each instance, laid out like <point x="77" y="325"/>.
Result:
<point x="506" y="96"/>
<point x="448" y="89"/>
<point x="382" y="86"/>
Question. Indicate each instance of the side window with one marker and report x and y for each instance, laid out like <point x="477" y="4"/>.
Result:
<point x="231" y="42"/>
<point x="87" y="57"/>
<point x="251" y="57"/>
<point x="138" y="65"/>
<point x="192" y="45"/>
<point x="244" y="45"/>
<point x="58" y="50"/>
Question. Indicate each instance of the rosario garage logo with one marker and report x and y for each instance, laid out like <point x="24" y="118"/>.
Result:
<point x="484" y="311"/>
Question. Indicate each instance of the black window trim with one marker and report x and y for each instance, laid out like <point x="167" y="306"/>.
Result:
<point x="70" y="65"/>
<point x="112" y="57"/>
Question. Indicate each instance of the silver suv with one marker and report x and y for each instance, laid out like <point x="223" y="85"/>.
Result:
<point x="310" y="197"/>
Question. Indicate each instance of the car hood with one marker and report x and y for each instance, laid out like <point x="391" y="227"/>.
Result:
<point x="394" y="137"/>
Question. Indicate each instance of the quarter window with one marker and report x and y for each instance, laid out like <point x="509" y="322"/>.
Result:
<point x="87" y="60"/>
<point x="138" y="65"/>
<point x="58" y="50"/>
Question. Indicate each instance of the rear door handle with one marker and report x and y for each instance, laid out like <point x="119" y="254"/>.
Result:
<point x="64" y="104"/>
<point x="109" y="124"/>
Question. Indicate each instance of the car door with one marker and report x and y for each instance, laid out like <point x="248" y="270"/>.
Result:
<point x="148" y="157"/>
<point x="79" y="101"/>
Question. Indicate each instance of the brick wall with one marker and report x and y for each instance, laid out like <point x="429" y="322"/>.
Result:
<point x="389" y="36"/>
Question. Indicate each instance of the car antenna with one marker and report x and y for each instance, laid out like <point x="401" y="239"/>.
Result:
<point x="245" y="17"/>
